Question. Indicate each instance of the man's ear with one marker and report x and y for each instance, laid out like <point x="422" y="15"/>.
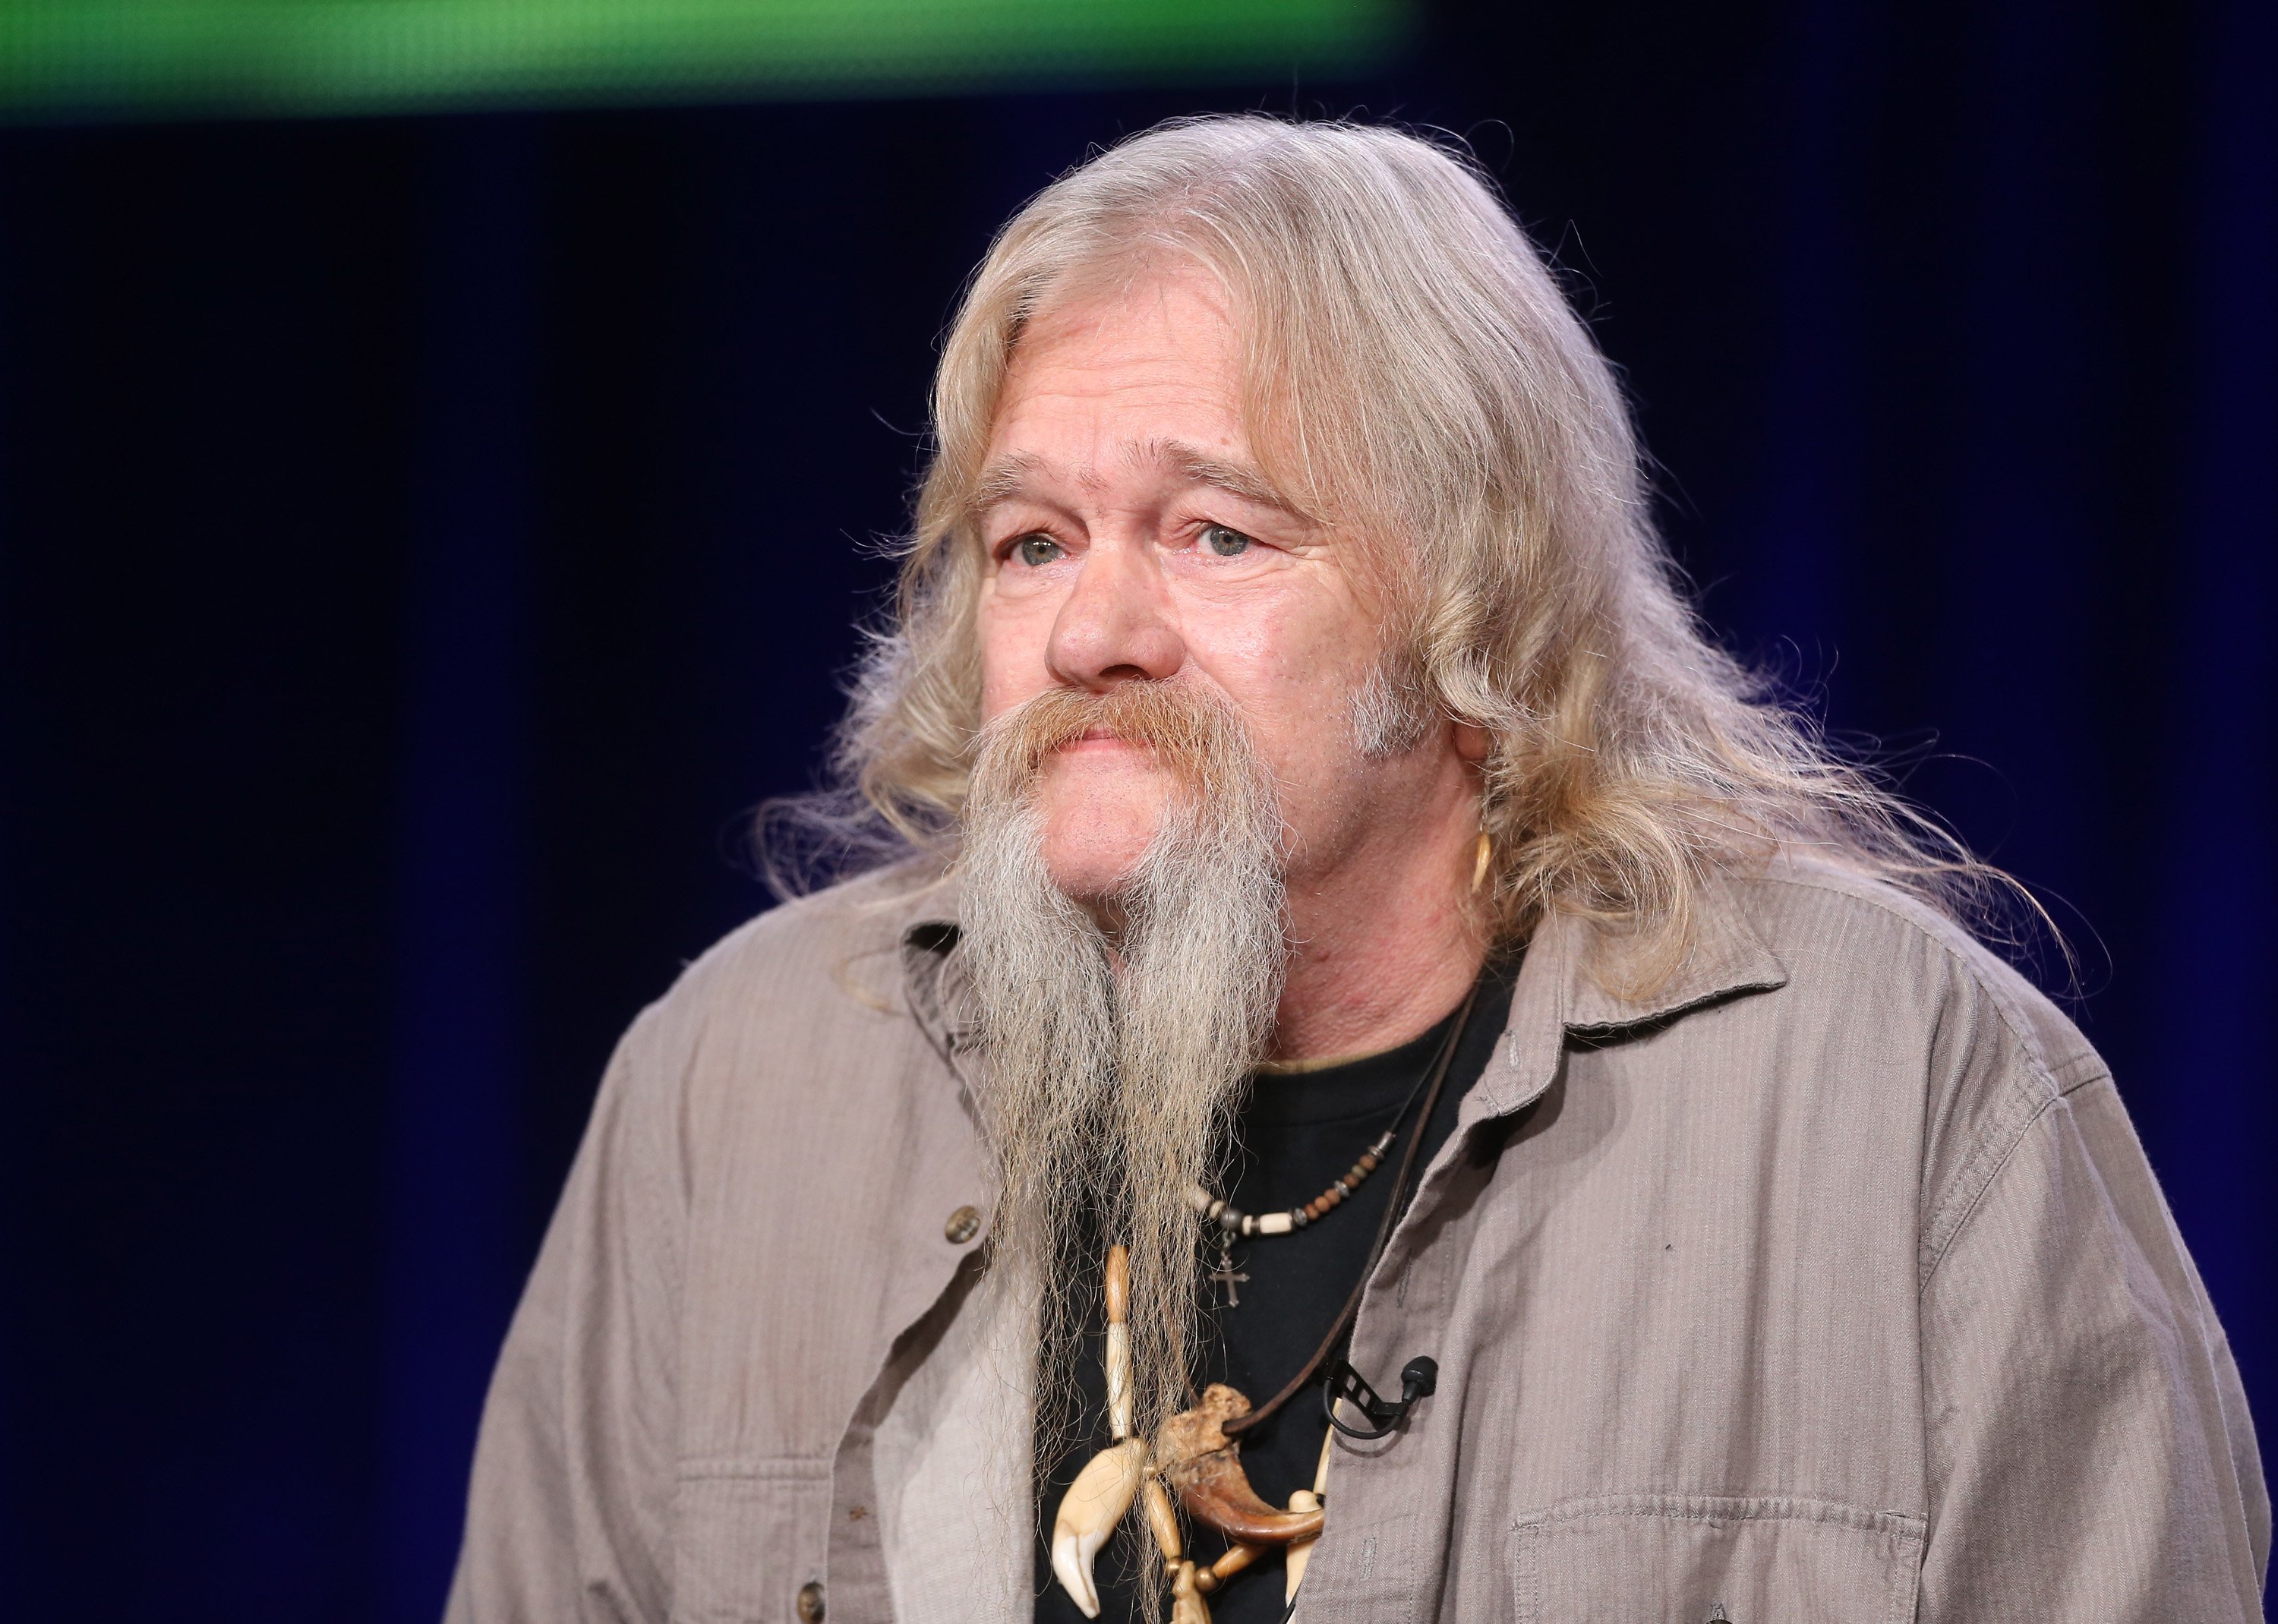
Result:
<point x="1471" y="742"/>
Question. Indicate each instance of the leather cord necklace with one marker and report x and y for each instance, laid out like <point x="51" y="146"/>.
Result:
<point x="1430" y="1086"/>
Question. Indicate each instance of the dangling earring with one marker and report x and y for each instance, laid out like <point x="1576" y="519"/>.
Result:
<point x="1480" y="854"/>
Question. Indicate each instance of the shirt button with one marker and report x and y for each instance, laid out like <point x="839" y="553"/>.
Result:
<point x="810" y="1603"/>
<point x="963" y="1225"/>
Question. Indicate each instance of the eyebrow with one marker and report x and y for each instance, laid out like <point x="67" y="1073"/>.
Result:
<point x="1009" y="477"/>
<point x="1199" y="467"/>
<point x="1001" y="481"/>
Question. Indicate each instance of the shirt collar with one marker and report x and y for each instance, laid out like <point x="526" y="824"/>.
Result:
<point x="1569" y="983"/>
<point x="934" y="983"/>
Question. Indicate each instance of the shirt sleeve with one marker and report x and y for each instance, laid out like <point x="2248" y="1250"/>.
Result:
<point x="2091" y="1457"/>
<point x="568" y="1514"/>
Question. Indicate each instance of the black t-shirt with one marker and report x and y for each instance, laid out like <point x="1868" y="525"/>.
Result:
<point x="1299" y="1131"/>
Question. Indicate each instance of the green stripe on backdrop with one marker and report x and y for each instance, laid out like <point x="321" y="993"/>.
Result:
<point x="288" y="57"/>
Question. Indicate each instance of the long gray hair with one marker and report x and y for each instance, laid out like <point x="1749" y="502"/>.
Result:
<point x="1416" y="378"/>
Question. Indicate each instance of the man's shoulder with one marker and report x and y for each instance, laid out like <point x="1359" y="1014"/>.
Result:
<point x="1891" y="995"/>
<point x="800" y="975"/>
<point x="1849" y="940"/>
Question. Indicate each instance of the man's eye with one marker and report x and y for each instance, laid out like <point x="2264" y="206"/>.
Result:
<point x="1035" y="551"/>
<point x="1225" y="540"/>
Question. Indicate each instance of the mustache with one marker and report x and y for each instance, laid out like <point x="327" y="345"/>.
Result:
<point x="1193" y="733"/>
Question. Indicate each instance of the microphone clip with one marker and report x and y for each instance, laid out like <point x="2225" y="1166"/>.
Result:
<point x="1419" y="1379"/>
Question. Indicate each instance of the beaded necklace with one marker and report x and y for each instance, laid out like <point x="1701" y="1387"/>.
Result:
<point x="1229" y="1220"/>
<point x="1232" y="1221"/>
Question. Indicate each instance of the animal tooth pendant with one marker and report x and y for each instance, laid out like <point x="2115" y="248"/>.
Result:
<point x="1089" y="1513"/>
<point x="1193" y="1460"/>
<point x="1204" y="1466"/>
<point x="1103" y="1491"/>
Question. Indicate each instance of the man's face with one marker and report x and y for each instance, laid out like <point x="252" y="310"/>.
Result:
<point x="1131" y="539"/>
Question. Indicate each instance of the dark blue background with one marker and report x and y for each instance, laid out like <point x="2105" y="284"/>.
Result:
<point x="422" y="542"/>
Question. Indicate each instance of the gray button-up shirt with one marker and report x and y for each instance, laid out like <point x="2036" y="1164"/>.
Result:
<point x="1828" y="1283"/>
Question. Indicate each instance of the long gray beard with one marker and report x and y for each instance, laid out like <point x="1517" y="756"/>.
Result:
<point x="1112" y="1070"/>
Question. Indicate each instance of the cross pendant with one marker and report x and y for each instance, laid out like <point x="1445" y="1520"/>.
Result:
<point x="1224" y="1275"/>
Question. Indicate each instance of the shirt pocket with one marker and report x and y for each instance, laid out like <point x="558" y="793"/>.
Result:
<point x="1663" y="1558"/>
<point x="747" y="1536"/>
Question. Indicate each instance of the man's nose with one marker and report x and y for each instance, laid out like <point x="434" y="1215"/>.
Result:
<point x="1115" y="626"/>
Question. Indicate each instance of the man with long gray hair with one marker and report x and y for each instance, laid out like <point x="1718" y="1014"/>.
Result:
<point x="1370" y="1072"/>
